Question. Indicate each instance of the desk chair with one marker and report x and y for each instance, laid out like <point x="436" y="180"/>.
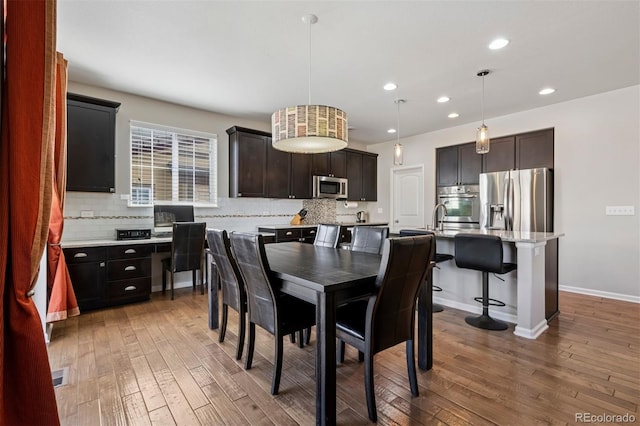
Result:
<point x="327" y="235"/>
<point x="483" y="253"/>
<point x="368" y="239"/>
<point x="187" y="252"/>
<point x="276" y="312"/>
<point x="387" y="317"/>
<point x="233" y="290"/>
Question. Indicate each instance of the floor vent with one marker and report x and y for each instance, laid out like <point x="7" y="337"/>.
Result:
<point x="60" y="377"/>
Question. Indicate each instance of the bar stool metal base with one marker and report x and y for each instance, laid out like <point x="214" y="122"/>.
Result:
<point x="486" y="322"/>
<point x="437" y="308"/>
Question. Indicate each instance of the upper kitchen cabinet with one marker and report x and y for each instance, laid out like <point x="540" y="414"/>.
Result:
<point x="330" y="164"/>
<point x="458" y="165"/>
<point x="91" y="135"/>
<point x="248" y="162"/>
<point x="501" y="155"/>
<point x="288" y="175"/>
<point x="362" y="174"/>
<point x="522" y="151"/>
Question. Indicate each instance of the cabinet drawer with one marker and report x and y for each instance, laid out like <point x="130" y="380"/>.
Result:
<point x="129" y="251"/>
<point x="287" y="235"/>
<point x="84" y="254"/>
<point x="134" y="288"/>
<point x="309" y="232"/>
<point x="128" y="268"/>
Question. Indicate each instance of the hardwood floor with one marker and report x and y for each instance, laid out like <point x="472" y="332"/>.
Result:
<point x="158" y="363"/>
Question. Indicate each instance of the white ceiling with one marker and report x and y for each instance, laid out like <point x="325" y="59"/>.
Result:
<point x="250" y="58"/>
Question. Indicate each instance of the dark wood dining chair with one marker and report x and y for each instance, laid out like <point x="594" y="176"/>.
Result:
<point x="276" y="312"/>
<point x="327" y="235"/>
<point x="368" y="239"/>
<point x="387" y="317"/>
<point x="231" y="284"/>
<point x="187" y="252"/>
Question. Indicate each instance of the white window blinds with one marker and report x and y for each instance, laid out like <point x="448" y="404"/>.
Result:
<point x="171" y="165"/>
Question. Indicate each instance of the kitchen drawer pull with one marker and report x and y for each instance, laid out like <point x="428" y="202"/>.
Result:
<point x="130" y="288"/>
<point x="312" y="232"/>
<point x="130" y="268"/>
<point x="78" y="255"/>
<point x="130" y="251"/>
<point x="288" y="233"/>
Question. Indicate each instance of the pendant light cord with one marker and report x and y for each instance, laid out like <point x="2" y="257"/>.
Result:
<point x="398" y="120"/>
<point x="483" y="99"/>
<point x="309" y="76"/>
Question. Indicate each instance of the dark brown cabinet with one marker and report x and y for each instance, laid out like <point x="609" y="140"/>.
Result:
<point x="87" y="268"/>
<point x="91" y="135"/>
<point x="362" y="174"/>
<point x="288" y="175"/>
<point x="501" y="155"/>
<point x="330" y="164"/>
<point x="458" y="165"/>
<point x="522" y="151"/>
<point x="247" y="162"/>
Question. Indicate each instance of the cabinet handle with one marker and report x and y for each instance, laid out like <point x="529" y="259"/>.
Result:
<point x="293" y="196"/>
<point x="288" y="233"/>
<point x="102" y="264"/>
<point x="130" y="288"/>
<point x="312" y="232"/>
<point x="239" y="194"/>
<point x="130" y="251"/>
<point x="130" y="268"/>
<point x="78" y="255"/>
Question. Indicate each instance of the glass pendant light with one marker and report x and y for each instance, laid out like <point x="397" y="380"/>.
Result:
<point x="397" y="148"/>
<point x="482" y="135"/>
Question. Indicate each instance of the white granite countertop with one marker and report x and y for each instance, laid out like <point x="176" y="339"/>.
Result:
<point x="509" y="236"/>
<point x="105" y="242"/>
<point x="348" y="224"/>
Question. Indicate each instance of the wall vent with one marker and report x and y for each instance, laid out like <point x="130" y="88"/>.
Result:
<point x="60" y="377"/>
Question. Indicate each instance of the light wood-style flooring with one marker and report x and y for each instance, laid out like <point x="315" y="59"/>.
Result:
<point x="158" y="363"/>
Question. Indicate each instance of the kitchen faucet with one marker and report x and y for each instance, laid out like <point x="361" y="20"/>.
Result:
<point x="434" y="218"/>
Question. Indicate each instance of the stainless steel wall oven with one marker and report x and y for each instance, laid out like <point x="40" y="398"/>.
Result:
<point x="463" y="206"/>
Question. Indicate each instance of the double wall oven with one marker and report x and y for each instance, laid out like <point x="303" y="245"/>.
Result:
<point x="463" y="206"/>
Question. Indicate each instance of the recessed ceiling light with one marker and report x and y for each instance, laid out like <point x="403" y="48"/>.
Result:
<point x="547" y="91"/>
<point x="453" y="115"/>
<point x="443" y="99"/>
<point x="391" y="131"/>
<point x="498" y="43"/>
<point x="390" y="86"/>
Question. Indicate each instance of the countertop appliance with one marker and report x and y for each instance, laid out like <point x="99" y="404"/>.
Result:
<point x="463" y="206"/>
<point x="133" y="234"/>
<point x="517" y="200"/>
<point x="330" y="187"/>
<point x="362" y="216"/>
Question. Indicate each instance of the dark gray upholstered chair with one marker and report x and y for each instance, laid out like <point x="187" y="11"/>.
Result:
<point x="187" y="252"/>
<point x="327" y="235"/>
<point x="483" y="253"/>
<point x="277" y="313"/>
<point x="387" y="317"/>
<point x="233" y="290"/>
<point x="368" y="238"/>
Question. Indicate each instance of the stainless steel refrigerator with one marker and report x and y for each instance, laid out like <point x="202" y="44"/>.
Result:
<point x="517" y="200"/>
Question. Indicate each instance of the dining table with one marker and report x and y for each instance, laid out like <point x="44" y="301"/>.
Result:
<point x="328" y="278"/>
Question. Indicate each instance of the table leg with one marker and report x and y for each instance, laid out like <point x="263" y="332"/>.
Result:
<point x="425" y="324"/>
<point x="212" y="280"/>
<point x="325" y="359"/>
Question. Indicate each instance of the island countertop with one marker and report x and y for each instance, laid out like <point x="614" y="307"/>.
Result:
<point x="509" y="236"/>
<point x="347" y="224"/>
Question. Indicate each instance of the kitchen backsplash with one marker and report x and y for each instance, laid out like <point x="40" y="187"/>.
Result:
<point x="97" y="215"/>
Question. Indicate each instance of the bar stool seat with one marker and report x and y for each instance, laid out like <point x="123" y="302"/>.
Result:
<point x="483" y="253"/>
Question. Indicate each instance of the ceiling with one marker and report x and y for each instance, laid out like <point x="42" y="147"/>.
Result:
<point x="249" y="58"/>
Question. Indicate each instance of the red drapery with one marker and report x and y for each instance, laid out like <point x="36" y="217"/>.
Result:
<point x="62" y="303"/>
<point x="26" y="156"/>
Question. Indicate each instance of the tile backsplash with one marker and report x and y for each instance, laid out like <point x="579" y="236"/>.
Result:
<point x="96" y="215"/>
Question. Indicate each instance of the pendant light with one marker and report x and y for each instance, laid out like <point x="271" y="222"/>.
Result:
<point x="482" y="135"/>
<point x="309" y="129"/>
<point x="397" y="148"/>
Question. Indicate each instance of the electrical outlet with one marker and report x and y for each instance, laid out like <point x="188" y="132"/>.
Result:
<point x="86" y="213"/>
<point x="620" y="210"/>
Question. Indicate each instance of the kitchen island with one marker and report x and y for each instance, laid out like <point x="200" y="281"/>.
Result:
<point x="523" y="291"/>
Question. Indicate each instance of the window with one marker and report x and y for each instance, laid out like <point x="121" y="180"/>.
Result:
<point x="172" y="166"/>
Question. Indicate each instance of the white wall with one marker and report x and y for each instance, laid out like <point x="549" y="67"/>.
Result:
<point x="597" y="163"/>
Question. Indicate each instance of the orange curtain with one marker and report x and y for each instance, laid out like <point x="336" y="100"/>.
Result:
<point x="26" y="156"/>
<point x="62" y="302"/>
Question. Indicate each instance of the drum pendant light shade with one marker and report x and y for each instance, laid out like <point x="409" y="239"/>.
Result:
<point x="309" y="129"/>
<point x="482" y="135"/>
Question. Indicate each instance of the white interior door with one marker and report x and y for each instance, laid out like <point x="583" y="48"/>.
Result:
<point x="407" y="197"/>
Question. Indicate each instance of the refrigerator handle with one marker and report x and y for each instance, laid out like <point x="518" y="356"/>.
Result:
<point x="508" y="205"/>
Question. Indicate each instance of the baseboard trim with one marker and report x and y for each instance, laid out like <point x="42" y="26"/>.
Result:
<point x="476" y="309"/>
<point x="600" y="293"/>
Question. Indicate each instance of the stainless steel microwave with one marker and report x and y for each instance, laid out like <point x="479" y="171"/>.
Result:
<point x="330" y="187"/>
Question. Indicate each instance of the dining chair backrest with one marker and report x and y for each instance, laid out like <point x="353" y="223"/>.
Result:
<point x="327" y="235"/>
<point x="187" y="246"/>
<point x="233" y="291"/>
<point x="368" y="239"/>
<point x="249" y="252"/>
<point x="391" y="312"/>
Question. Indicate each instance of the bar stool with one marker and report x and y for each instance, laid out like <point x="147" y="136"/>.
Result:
<point x="483" y="253"/>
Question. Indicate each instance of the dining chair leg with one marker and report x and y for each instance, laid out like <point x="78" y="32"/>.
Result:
<point x="300" y="339"/>
<point x="277" y="365"/>
<point x="223" y="325"/>
<point x="292" y="337"/>
<point x="250" y="345"/>
<point x="164" y="279"/>
<point x="360" y="356"/>
<point x="171" y="285"/>
<point x="307" y="335"/>
<point x="369" y="387"/>
<point x="411" y="367"/>
<point x="241" y="327"/>
<point x="201" y="281"/>
<point x="194" y="279"/>
<point x="340" y="354"/>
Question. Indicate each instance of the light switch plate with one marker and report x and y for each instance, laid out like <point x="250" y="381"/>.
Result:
<point x="620" y="210"/>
